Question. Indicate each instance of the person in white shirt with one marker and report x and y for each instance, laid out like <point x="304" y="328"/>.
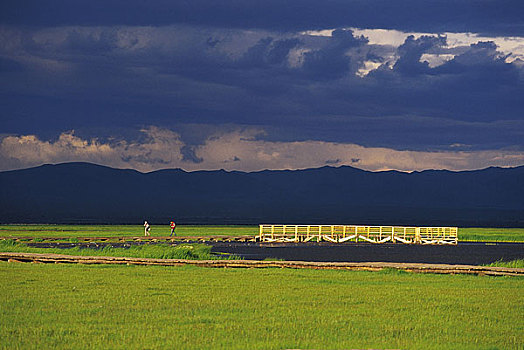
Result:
<point x="146" y="229"/>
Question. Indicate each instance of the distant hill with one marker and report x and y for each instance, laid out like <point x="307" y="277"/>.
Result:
<point x="88" y="193"/>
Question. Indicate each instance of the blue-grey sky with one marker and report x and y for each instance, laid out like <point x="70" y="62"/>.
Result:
<point x="251" y="85"/>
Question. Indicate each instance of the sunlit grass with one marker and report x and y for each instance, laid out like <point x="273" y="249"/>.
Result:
<point x="483" y="234"/>
<point x="151" y="307"/>
<point x="120" y="230"/>
<point x="519" y="263"/>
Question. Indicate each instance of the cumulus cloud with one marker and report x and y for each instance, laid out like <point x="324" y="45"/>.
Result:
<point x="161" y="148"/>
<point x="332" y="61"/>
<point x="236" y="150"/>
<point x="412" y="50"/>
<point x="254" y="154"/>
<point x="268" y="51"/>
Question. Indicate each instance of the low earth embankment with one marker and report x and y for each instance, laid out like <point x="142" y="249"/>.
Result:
<point x="237" y="263"/>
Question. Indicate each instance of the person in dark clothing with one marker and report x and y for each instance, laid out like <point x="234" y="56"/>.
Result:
<point x="172" y="225"/>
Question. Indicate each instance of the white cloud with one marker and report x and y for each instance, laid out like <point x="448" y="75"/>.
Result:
<point x="506" y="44"/>
<point x="367" y="67"/>
<point x="160" y="149"/>
<point x="253" y="154"/>
<point x="237" y="150"/>
<point x="512" y="46"/>
<point x="436" y="60"/>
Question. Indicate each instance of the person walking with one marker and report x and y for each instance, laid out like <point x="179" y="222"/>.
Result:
<point x="147" y="227"/>
<point x="172" y="225"/>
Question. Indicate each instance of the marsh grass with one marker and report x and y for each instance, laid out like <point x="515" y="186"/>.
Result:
<point x="156" y="251"/>
<point x="273" y="259"/>
<point x="491" y="234"/>
<point x="519" y="263"/>
<point x="156" y="307"/>
<point x="392" y="271"/>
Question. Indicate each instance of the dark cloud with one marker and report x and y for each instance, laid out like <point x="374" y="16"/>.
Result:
<point x="188" y="154"/>
<point x="280" y="50"/>
<point x="294" y="86"/>
<point x="477" y="85"/>
<point x="78" y="42"/>
<point x="411" y="51"/>
<point x="10" y="65"/>
<point x="268" y="51"/>
<point x="503" y="17"/>
<point x="482" y="56"/>
<point x="331" y="62"/>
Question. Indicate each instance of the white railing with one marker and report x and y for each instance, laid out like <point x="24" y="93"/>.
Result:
<point x="358" y="233"/>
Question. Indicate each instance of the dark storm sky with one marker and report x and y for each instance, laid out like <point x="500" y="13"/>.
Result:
<point x="250" y="85"/>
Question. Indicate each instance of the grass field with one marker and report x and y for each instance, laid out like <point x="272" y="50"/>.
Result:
<point x="150" y="307"/>
<point x="475" y="234"/>
<point x="154" y="251"/>
<point x="153" y="307"/>
<point x="465" y="234"/>
<point x="120" y="230"/>
<point x="519" y="263"/>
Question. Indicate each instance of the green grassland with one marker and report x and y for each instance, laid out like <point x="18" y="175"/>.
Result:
<point x="43" y="231"/>
<point x="475" y="234"/>
<point x="518" y="263"/>
<point x="154" y="307"/>
<point x="154" y="251"/>
<point x="121" y="230"/>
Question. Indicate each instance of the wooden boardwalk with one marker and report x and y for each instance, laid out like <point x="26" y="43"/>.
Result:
<point x="367" y="266"/>
<point x="356" y="233"/>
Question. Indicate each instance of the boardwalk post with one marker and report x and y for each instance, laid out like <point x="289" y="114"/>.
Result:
<point x="308" y="227"/>
<point x="417" y="235"/>
<point x="393" y="234"/>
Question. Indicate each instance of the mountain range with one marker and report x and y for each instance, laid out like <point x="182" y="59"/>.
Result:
<point x="89" y="193"/>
